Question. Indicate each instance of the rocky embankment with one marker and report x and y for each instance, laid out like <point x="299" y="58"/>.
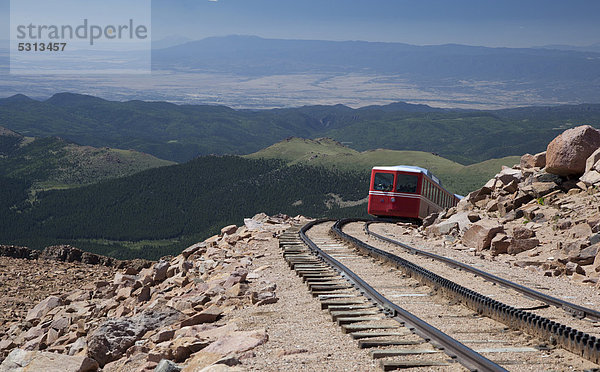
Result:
<point x="171" y="315"/>
<point x="543" y="214"/>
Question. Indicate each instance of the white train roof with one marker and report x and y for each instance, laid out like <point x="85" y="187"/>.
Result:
<point x="410" y="169"/>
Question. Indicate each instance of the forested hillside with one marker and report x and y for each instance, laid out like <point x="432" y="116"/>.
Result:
<point x="158" y="211"/>
<point x="324" y="152"/>
<point x="56" y="163"/>
<point x="181" y="132"/>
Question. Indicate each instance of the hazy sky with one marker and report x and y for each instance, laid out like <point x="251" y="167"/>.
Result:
<point x="475" y="22"/>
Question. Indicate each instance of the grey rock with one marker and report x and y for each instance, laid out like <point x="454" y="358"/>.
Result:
<point x="43" y="308"/>
<point x="512" y="215"/>
<point x="586" y="256"/>
<point x="77" y="346"/>
<point x="507" y="175"/>
<point x="160" y="271"/>
<point x="595" y="239"/>
<point x="540" y="189"/>
<point x="113" y="337"/>
<point x="591" y="161"/>
<point x="166" y="365"/>
<point x="429" y="220"/>
<point x="591" y="178"/>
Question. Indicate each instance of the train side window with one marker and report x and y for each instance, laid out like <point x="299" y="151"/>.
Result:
<point x="406" y="183"/>
<point x="383" y="182"/>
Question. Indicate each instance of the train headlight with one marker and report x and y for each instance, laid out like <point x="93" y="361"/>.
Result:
<point x="393" y="199"/>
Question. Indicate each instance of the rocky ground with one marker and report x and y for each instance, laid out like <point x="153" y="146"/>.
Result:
<point x="544" y="213"/>
<point x="212" y="308"/>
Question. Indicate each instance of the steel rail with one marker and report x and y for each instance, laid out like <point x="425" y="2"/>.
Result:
<point x="465" y="355"/>
<point x="577" y="342"/>
<point x="569" y="307"/>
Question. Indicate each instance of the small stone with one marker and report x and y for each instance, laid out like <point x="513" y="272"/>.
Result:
<point x="163" y="335"/>
<point x="228" y="230"/>
<point x="590" y="178"/>
<point x="480" y="235"/>
<point x="586" y="256"/>
<point x="520" y="232"/>
<point x="43" y="308"/>
<point x="592" y="160"/>
<point x="520" y="245"/>
<point x="123" y="293"/>
<point x="166" y="365"/>
<point x="206" y="316"/>
<point x="238" y="341"/>
<point x="160" y="271"/>
<point x="572" y="267"/>
<point x="22" y="361"/>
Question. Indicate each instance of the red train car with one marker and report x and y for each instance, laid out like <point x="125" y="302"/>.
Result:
<point x="405" y="191"/>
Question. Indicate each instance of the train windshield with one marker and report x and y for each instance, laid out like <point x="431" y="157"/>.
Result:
<point x="383" y="181"/>
<point x="406" y="183"/>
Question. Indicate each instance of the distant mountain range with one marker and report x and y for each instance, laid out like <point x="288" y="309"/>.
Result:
<point x="182" y="132"/>
<point x="251" y="55"/>
<point x="253" y="72"/>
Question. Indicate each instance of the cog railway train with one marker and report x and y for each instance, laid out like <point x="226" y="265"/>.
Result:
<point x="407" y="192"/>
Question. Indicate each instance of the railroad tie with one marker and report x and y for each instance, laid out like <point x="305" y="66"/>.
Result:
<point x="355" y="314"/>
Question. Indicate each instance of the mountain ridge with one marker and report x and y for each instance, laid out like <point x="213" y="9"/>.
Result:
<point x="181" y="132"/>
<point x="53" y="162"/>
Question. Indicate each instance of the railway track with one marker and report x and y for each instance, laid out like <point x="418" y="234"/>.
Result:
<point x="408" y="317"/>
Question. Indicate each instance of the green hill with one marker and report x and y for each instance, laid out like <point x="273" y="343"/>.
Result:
<point x="331" y="154"/>
<point x="182" y="132"/>
<point x="162" y="210"/>
<point x="56" y="163"/>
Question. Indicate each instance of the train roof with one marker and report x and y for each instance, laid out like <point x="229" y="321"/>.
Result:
<point x="410" y="169"/>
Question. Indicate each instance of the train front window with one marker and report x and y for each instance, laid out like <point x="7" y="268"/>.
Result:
<point x="406" y="183"/>
<point x="383" y="182"/>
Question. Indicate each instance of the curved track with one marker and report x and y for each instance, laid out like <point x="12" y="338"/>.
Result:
<point x="324" y="271"/>
<point x="573" y="309"/>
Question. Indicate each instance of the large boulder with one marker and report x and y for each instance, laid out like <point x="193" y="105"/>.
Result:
<point x="480" y="235"/>
<point x="21" y="361"/>
<point x="567" y="154"/>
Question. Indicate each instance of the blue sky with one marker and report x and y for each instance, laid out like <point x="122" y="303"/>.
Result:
<point x="475" y="22"/>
